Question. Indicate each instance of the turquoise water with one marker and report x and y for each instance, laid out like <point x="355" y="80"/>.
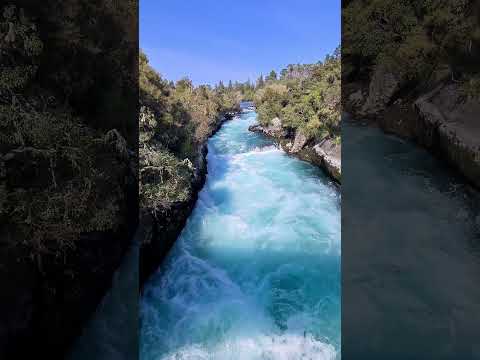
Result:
<point x="255" y="273"/>
<point x="411" y="252"/>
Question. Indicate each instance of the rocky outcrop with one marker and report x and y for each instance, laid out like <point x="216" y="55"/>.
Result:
<point x="274" y="129"/>
<point x="325" y="154"/>
<point x="383" y="85"/>
<point x="442" y="121"/>
<point x="451" y="127"/>
<point x="299" y="143"/>
<point x="330" y="155"/>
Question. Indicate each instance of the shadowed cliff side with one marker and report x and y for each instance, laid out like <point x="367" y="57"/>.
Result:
<point x="68" y="160"/>
<point x="412" y="70"/>
<point x="175" y="122"/>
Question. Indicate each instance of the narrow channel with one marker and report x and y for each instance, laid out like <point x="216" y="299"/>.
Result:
<point x="255" y="274"/>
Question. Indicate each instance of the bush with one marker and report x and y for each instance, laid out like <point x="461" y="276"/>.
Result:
<point x="306" y="98"/>
<point x="413" y="38"/>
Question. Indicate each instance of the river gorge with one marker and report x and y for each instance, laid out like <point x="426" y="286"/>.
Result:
<point x="255" y="273"/>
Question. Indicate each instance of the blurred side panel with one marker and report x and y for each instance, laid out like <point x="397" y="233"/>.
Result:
<point x="68" y="166"/>
<point x="411" y="179"/>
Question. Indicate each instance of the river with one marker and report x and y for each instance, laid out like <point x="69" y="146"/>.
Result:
<point x="255" y="274"/>
<point x="410" y="252"/>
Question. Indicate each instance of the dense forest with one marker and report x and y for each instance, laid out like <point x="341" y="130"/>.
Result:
<point x="305" y="98"/>
<point x="421" y="42"/>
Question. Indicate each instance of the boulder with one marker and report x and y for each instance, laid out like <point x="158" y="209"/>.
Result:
<point x="275" y="128"/>
<point x="330" y="154"/>
<point x="383" y="85"/>
<point x="356" y="99"/>
<point x="300" y="141"/>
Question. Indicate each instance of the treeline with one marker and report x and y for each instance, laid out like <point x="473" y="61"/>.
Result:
<point x="421" y="42"/>
<point x="175" y="120"/>
<point x="305" y="98"/>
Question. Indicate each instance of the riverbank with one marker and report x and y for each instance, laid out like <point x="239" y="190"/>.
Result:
<point x="441" y="120"/>
<point x="325" y="154"/>
<point x="160" y="232"/>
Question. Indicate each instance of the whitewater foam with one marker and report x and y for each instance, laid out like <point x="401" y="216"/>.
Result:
<point x="283" y="347"/>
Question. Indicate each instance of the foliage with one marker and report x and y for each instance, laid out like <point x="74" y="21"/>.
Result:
<point x="20" y="50"/>
<point x="306" y="98"/>
<point x="60" y="178"/>
<point x="415" y="39"/>
<point x="164" y="179"/>
<point x="272" y="76"/>
<point x="270" y="102"/>
<point x="175" y="120"/>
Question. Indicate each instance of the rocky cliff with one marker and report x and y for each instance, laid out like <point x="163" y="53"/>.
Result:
<point x="325" y="154"/>
<point x="161" y="229"/>
<point x="443" y="119"/>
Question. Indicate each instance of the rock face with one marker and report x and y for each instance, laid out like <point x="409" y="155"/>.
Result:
<point x="325" y="154"/>
<point x="356" y="99"/>
<point x="274" y="129"/>
<point x="451" y="127"/>
<point x="300" y="142"/>
<point x="330" y="154"/>
<point x="441" y="121"/>
<point x="383" y="86"/>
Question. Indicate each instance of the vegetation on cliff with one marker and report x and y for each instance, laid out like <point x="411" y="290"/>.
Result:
<point x="54" y="154"/>
<point x="176" y="119"/>
<point x="413" y="67"/>
<point x="68" y="160"/>
<point x="305" y="97"/>
<point x="420" y="42"/>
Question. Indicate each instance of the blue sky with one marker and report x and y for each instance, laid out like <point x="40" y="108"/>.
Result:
<point x="212" y="40"/>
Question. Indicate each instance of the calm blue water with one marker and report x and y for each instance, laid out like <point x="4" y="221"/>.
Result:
<point x="255" y="273"/>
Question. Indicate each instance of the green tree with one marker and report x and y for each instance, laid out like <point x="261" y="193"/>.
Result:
<point x="306" y="98"/>
<point x="272" y="76"/>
